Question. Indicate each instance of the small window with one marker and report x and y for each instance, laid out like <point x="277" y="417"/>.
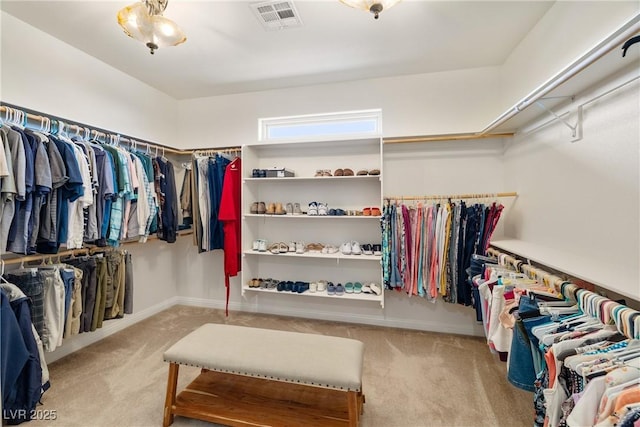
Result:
<point x="319" y="126"/>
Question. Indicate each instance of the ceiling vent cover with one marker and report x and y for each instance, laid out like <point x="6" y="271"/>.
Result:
<point x="277" y="15"/>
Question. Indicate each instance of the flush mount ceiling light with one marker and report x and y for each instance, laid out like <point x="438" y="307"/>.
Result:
<point x="373" y="6"/>
<point x="144" y="22"/>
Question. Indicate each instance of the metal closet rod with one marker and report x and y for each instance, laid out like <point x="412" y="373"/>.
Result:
<point x="455" y="196"/>
<point x="445" y="137"/>
<point x="36" y="119"/>
<point x="613" y="40"/>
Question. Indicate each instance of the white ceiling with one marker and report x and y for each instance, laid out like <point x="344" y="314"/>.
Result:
<point x="228" y="51"/>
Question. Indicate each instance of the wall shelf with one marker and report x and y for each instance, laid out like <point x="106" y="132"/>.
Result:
<point x="337" y="256"/>
<point x="588" y="269"/>
<point x="345" y="296"/>
<point x="321" y="217"/>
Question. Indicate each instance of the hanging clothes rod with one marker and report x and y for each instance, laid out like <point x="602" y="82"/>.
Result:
<point x="589" y="302"/>
<point x="455" y="196"/>
<point x="37" y="120"/>
<point x="213" y="151"/>
<point x="70" y="252"/>
<point x="449" y="137"/>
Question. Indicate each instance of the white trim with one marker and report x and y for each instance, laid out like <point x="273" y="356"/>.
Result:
<point x="109" y="327"/>
<point x="374" y="114"/>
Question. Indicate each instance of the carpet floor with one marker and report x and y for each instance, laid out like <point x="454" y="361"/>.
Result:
<point x="410" y="378"/>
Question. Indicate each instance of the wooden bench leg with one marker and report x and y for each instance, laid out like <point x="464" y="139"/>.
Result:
<point x="353" y="398"/>
<point x="170" y="401"/>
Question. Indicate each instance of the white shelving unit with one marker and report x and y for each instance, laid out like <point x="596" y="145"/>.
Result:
<point x="343" y="192"/>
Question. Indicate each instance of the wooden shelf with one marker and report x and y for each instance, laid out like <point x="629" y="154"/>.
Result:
<point x="337" y="256"/>
<point x="592" y="270"/>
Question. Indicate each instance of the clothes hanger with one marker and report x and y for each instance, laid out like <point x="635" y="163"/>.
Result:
<point x="2" y="279"/>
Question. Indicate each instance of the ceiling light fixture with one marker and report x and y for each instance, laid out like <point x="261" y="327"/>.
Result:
<point x="144" y="22"/>
<point x="373" y="6"/>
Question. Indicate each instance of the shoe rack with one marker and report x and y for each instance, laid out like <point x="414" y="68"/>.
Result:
<point x="349" y="193"/>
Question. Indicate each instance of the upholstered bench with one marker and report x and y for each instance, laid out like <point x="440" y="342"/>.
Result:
<point x="263" y="377"/>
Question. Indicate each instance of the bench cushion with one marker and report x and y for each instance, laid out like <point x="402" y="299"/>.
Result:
<point x="310" y="359"/>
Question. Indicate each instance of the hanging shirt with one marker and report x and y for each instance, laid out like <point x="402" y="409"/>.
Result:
<point x="48" y="232"/>
<point x="229" y="214"/>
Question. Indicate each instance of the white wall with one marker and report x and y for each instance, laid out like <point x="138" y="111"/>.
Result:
<point x="425" y="104"/>
<point x="42" y="73"/>
<point x="581" y="199"/>
<point x="45" y="74"/>
<point x="567" y="31"/>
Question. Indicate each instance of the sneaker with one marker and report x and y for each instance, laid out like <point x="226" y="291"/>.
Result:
<point x="255" y="245"/>
<point x="322" y="209"/>
<point x="292" y="247"/>
<point x="299" y="247"/>
<point x="355" y="248"/>
<point x="254" y="208"/>
<point x="313" y="209"/>
<point x="313" y="287"/>
<point x="289" y="209"/>
<point x="375" y="288"/>
<point x="321" y="285"/>
<point x="296" y="209"/>
<point x="262" y="245"/>
<point x="339" y="289"/>
<point x="331" y="289"/>
<point x="262" y="208"/>
<point x="367" y="249"/>
<point x="345" y="248"/>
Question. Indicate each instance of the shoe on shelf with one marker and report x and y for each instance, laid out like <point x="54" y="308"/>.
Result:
<point x="262" y="208"/>
<point x="339" y="289"/>
<point x="255" y="245"/>
<point x="338" y="172"/>
<point x="313" y="209"/>
<point x="313" y="287"/>
<point x="322" y="209"/>
<point x="279" y="209"/>
<point x="299" y="247"/>
<point x="367" y="249"/>
<point x="355" y="248"/>
<point x="357" y="288"/>
<point x="331" y="289"/>
<point x="254" y="208"/>
<point x="375" y="212"/>
<point x="377" y="249"/>
<point x="319" y="172"/>
<point x="262" y="245"/>
<point x="340" y="212"/>
<point x="296" y="209"/>
<point x="289" y="209"/>
<point x="345" y="248"/>
<point x="326" y="172"/>
<point x="374" y="172"/>
<point x="292" y="247"/>
<point x="314" y="247"/>
<point x="274" y="248"/>
<point x="375" y="288"/>
<point x="366" y="211"/>
<point x="255" y="173"/>
<point x="271" y="209"/>
<point x="330" y="249"/>
<point x="322" y="285"/>
<point x="362" y="172"/>
<point x="348" y="287"/>
<point x="347" y="172"/>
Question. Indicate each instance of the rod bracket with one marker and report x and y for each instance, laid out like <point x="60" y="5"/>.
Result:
<point x="576" y="129"/>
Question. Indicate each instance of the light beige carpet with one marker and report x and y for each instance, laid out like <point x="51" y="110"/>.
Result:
<point x="411" y="378"/>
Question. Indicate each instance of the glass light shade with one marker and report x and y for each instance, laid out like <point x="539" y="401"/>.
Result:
<point x="155" y="31"/>
<point x="373" y="6"/>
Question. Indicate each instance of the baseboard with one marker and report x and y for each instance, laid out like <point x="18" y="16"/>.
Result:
<point x="469" y="330"/>
<point x="109" y="327"/>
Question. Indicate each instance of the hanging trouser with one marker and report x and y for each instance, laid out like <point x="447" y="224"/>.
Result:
<point x="89" y="287"/>
<point x="128" y="284"/>
<point x="101" y="293"/>
<point x="31" y="282"/>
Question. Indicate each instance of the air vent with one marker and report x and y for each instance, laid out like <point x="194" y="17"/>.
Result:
<point x="277" y="15"/>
